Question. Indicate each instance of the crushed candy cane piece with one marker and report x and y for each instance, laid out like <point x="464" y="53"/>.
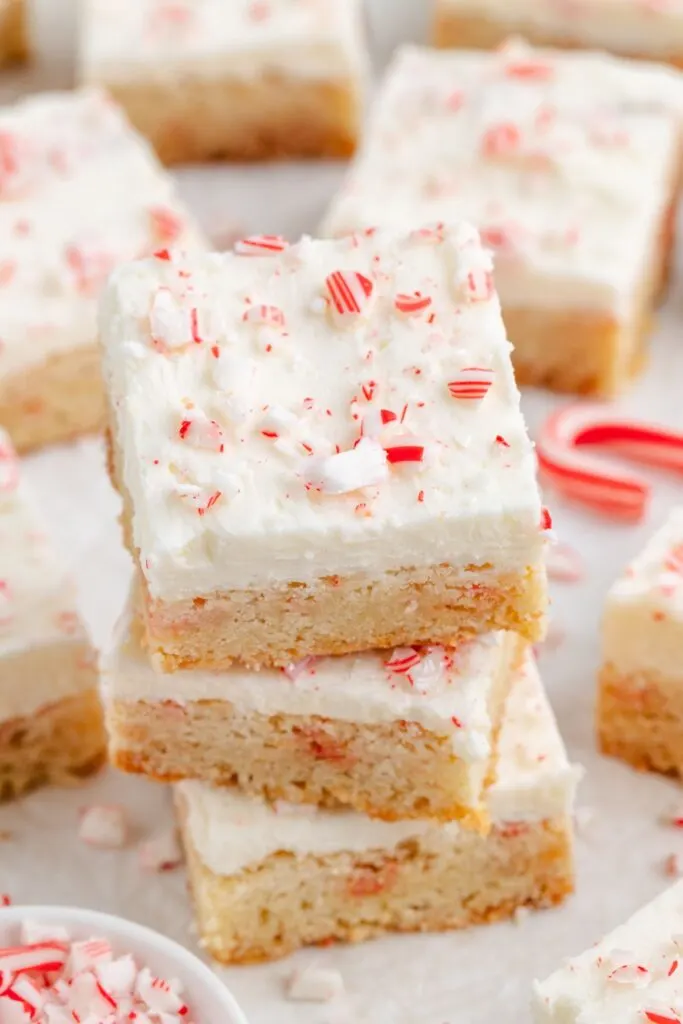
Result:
<point x="315" y="985"/>
<point x="349" y="293"/>
<point x="362" y="466"/>
<point x="564" y="564"/>
<point x="161" y="853"/>
<point x="261" y="245"/>
<point x="104" y="826"/>
<point x="199" y="431"/>
<point x="472" y="384"/>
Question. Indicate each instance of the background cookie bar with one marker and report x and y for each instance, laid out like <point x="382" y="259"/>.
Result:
<point x="631" y="975"/>
<point x="13" y="41"/>
<point x="633" y="28"/>
<point x="640" y="706"/>
<point x="341" y="876"/>
<point x="206" y="79"/>
<point x="568" y="164"/>
<point x="403" y="733"/>
<point x="79" y="193"/>
<point x="51" y="725"/>
<point x="321" y="451"/>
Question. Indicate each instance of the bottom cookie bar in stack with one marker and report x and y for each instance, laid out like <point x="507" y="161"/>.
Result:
<point x="640" y="701"/>
<point x="51" y="727"/>
<point x="269" y="879"/>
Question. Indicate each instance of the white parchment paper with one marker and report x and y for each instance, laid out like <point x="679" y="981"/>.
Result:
<point x="477" y="977"/>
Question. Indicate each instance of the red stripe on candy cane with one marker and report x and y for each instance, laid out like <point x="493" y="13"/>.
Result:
<point x="601" y="484"/>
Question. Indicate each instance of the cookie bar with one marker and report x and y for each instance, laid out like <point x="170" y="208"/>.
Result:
<point x="630" y="976"/>
<point x="79" y="193"/>
<point x="269" y="879"/>
<point x="396" y="734"/>
<point x="237" y="80"/>
<point x="640" y="702"/>
<point x="51" y="727"/>
<point x="13" y="41"/>
<point x="569" y="165"/>
<point x="632" y="28"/>
<point x="321" y="450"/>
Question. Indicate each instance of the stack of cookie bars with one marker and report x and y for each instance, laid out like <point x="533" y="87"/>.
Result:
<point x="331" y="499"/>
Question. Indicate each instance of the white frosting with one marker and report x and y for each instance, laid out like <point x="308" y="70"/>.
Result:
<point x="37" y="599"/>
<point x="141" y="39"/>
<point x="565" y="161"/>
<point x="632" y="973"/>
<point x="643" y="622"/>
<point x="79" y="193"/>
<point x="227" y="446"/>
<point x="450" y="692"/>
<point x="535" y="781"/>
<point x="646" y="27"/>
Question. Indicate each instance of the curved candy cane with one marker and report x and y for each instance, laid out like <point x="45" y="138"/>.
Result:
<point x="598" y="483"/>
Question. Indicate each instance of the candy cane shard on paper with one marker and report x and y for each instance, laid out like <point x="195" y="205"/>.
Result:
<point x="51" y="725"/>
<point x="634" y="28"/>
<point x="599" y="482"/>
<point x="568" y="165"/>
<point x="80" y="192"/>
<point x="640" y="697"/>
<point x="260" y="79"/>
<point x="349" y="877"/>
<point x="399" y="733"/>
<point x="633" y="975"/>
<point x="310" y="440"/>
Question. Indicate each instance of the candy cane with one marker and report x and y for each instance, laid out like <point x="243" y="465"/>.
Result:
<point x="597" y="483"/>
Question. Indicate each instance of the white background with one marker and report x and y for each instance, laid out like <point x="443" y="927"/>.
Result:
<point x="478" y="977"/>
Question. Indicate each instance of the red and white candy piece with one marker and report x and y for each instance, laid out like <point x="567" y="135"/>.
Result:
<point x="349" y="293"/>
<point x="167" y="225"/>
<point x="104" y="826"/>
<point x="297" y="668"/>
<point x="402" y="660"/>
<point x="264" y="316"/>
<point x="564" y="563"/>
<point x="402" y="450"/>
<point x="603" y="485"/>
<point x="412" y="303"/>
<point x="362" y="466"/>
<point x="199" y="431"/>
<point x="261" y="245"/>
<point x="473" y="383"/>
<point x="161" y="853"/>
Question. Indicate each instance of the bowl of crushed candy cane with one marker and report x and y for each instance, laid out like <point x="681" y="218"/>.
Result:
<point x="60" y="965"/>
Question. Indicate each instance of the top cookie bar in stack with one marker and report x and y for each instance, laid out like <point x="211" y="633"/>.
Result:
<point x="320" y="449"/>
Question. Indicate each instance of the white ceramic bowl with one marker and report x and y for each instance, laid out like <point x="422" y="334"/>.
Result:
<point x="207" y="996"/>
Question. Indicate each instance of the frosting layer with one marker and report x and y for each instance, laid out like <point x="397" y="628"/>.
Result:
<point x="37" y="598"/>
<point x="632" y="26"/>
<point x="566" y="162"/>
<point x="79" y="193"/>
<point x="643" y="622"/>
<point x="535" y="781"/>
<point x="447" y="691"/>
<point x="139" y="39"/>
<point x="629" y="977"/>
<point x="341" y="407"/>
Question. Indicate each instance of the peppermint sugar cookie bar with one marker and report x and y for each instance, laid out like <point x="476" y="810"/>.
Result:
<point x="51" y="727"/>
<point x="395" y="734"/>
<point x="13" y="41"/>
<point x="632" y="28"/>
<point x="568" y="163"/>
<point x="321" y="450"/>
<point x="640" y="703"/>
<point x="269" y="879"/>
<point x="631" y="977"/>
<point x="236" y="79"/>
<point x="79" y="193"/>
